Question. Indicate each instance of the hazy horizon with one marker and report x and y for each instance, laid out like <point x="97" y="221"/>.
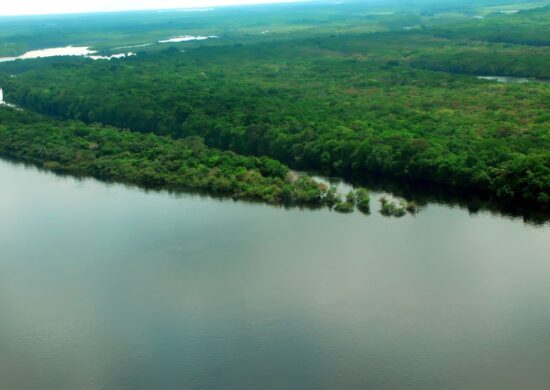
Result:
<point x="52" y="7"/>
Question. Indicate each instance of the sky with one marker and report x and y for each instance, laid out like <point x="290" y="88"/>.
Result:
<point x="35" y="7"/>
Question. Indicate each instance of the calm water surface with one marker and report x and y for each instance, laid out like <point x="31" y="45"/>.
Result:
<point x="108" y="287"/>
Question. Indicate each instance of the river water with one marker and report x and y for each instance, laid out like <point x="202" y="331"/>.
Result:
<point x="84" y="51"/>
<point x="104" y="286"/>
<point x="511" y="80"/>
<point x="68" y="51"/>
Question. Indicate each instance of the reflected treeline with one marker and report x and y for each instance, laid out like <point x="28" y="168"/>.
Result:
<point x="418" y="196"/>
<point x="172" y="190"/>
<point x="424" y="193"/>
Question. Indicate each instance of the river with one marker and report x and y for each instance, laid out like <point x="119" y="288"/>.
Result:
<point x="511" y="80"/>
<point x="84" y="51"/>
<point x="104" y="286"/>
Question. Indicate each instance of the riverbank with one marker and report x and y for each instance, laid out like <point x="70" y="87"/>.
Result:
<point x="154" y="161"/>
<point x="161" y="163"/>
<point x="148" y="160"/>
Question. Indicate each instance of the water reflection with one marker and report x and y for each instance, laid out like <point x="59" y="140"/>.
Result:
<point x="68" y="51"/>
<point x="426" y="194"/>
<point x="106" y="286"/>
<point x="511" y="79"/>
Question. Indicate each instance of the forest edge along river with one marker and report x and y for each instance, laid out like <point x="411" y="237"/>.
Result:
<point x="126" y="157"/>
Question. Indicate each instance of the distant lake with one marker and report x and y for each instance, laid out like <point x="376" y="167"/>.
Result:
<point x="508" y="79"/>
<point x="84" y="51"/>
<point x="68" y="51"/>
<point x="104" y="286"/>
<point x="187" y="38"/>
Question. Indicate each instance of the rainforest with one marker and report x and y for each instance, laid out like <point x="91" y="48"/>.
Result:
<point x="400" y="102"/>
<point x="305" y="194"/>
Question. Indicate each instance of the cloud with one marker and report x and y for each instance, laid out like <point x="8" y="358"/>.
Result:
<point x="35" y="7"/>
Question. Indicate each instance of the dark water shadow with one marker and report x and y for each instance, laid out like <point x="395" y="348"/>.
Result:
<point x="426" y="193"/>
<point x="423" y="194"/>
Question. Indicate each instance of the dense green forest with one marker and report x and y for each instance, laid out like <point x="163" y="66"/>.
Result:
<point x="403" y="103"/>
<point x="257" y="23"/>
<point x="502" y="44"/>
<point x="152" y="161"/>
<point x="489" y="60"/>
<point x="528" y="27"/>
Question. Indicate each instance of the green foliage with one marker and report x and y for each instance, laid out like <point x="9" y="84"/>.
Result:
<point x="363" y="200"/>
<point x="344" y="207"/>
<point x="527" y="27"/>
<point x="348" y="206"/>
<point x="346" y="103"/>
<point x="332" y="197"/>
<point x="258" y="23"/>
<point x="149" y="160"/>
<point x="487" y="60"/>
<point x="393" y="208"/>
